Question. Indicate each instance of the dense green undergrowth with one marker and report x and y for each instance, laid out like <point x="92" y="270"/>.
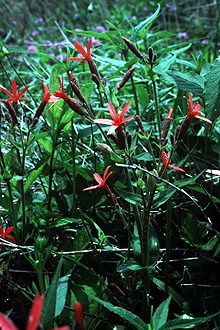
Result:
<point x="109" y="173"/>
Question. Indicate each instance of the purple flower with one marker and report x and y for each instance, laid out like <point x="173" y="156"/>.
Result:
<point x="34" y="32"/>
<point x="32" y="48"/>
<point x="183" y="35"/>
<point x="40" y="20"/>
<point x="212" y="32"/>
<point x="171" y="7"/>
<point x="95" y="43"/>
<point x="205" y="41"/>
<point x="100" y="29"/>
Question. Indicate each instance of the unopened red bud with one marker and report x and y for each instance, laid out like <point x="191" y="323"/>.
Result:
<point x="113" y="137"/>
<point x="74" y="105"/>
<point x="93" y="69"/>
<point x="139" y="122"/>
<point x="183" y="128"/>
<point x="96" y="80"/>
<point x="104" y="81"/>
<point x="8" y="118"/>
<point x="166" y="125"/>
<point x="150" y="54"/>
<point x="38" y="113"/>
<point x="77" y="92"/>
<point x="78" y="311"/>
<point x="133" y="48"/>
<point x="126" y="77"/>
<point x="121" y="137"/>
<point x="12" y="113"/>
<point x="104" y="148"/>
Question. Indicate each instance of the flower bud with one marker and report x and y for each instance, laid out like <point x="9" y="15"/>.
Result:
<point x="12" y="113"/>
<point x="74" y="105"/>
<point x="77" y="92"/>
<point x="104" y="148"/>
<point x="126" y="77"/>
<point x="133" y="48"/>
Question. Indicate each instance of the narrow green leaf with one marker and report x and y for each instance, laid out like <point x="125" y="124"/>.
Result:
<point x="144" y="24"/>
<point x="32" y="177"/>
<point x="125" y="314"/>
<point x="178" y="299"/>
<point x="212" y="91"/>
<point x="48" y="314"/>
<point x="61" y="294"/>
<point x="129" y="197"/>
<point x="161" y="314"/>
<point x="186" y="322"/>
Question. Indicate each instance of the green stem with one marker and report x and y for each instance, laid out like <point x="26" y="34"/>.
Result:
<point x="51" y="173"/>
<point x="156" y="104"/>
<point x="73" y="147"/>
<point x="168" y="237"/>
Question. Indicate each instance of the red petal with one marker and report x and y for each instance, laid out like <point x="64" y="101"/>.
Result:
<point x="112" y="110"/>
<point x="91" y="188"/>
<point x="125" y="109"/>
<point x="176" y="168"/>
<point x="13" y="87"/>
<point x="103" y="121"/>
<point x="97" y="177"/>
<point x="5" y="91"/>
<point x="204" y="119"/>
<point x="76" y="59"/>
<point x="9" y="229"/>
<point x="6" y="324"/>
<point x="35" y="312"/>
<point x="21" y="92"/>
<point x="78" y="314"/>
<point x="80" y="49"/>
<point x="126" y="119"/>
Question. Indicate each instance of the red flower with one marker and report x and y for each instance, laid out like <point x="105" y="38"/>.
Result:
<point x="101" y="180"/>
<point x="5" y="233"/>
<point x="79" y="322"/>
<point x="35" y="312"/>
<point x="86" y="53"/>
<point x="33" y="318"/>
<point x="49" y="98"/>
<point x="14" y="95"/>
<point x="166" y="163"/>
<point x="194" y="110"/>
<point x="117" y="119"/>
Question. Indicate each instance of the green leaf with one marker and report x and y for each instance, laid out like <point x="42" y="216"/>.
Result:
<point x="61" y="294"/>
<point x="144" y="24"/>
<point x="129" y="197"/>
<point x="190" y="82"/>
<point x="129" y="265"/>
<point x="186" y="322"/>
<point x="123" y="313"/>
<point x="161" y="314"/>
<point x="165" y="64"/>
<point x="48" y="314"/>
<point x="193" y="231"/>
<point x="32" y="177"/>
<point x="163" y="196"/>
<point x="212" y="91"/>
<point x="176" y="297"/>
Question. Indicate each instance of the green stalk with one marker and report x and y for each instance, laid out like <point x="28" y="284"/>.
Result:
<point x="156" y="104"/>
<point x="168" y="237"/>
<point x="51" y="173"/>
<point x="73" y="149"/>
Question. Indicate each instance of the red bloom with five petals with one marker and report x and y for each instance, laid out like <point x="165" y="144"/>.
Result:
<point x="117" y="119"/>
<point x="194" y="110"/>
<point x="166" y="163"/>
<point x="101" y="180"/>
<point x="86" y="53"/>
<point x="4" y="233"/>
<point x="15" y="96"/>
